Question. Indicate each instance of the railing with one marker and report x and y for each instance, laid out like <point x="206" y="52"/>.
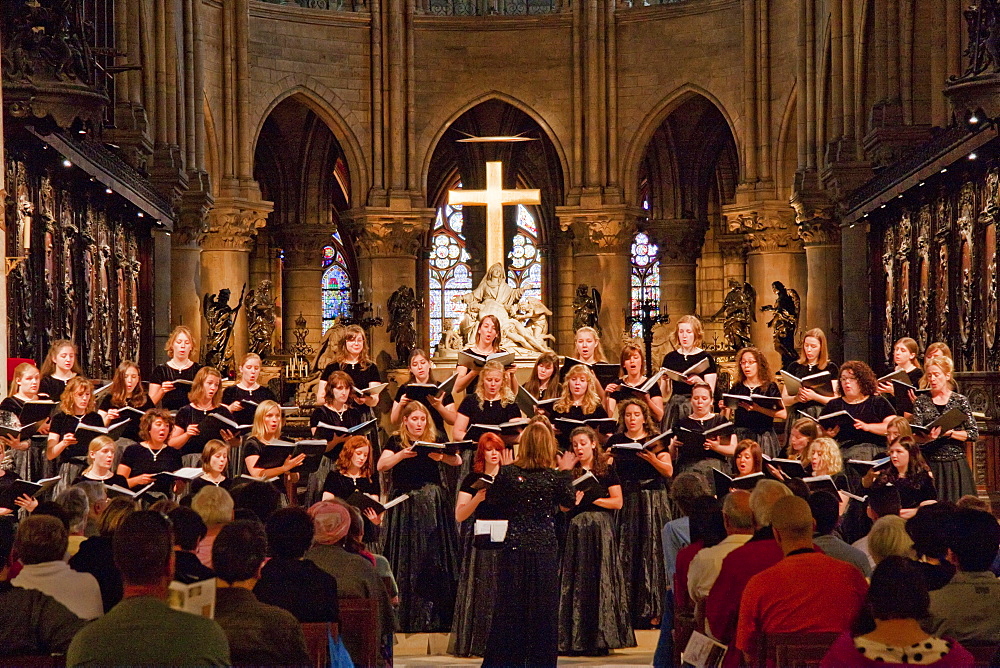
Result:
<point x="490" y="7"/>
<point x="648" y="3"/>
<point x="329" y="5"/>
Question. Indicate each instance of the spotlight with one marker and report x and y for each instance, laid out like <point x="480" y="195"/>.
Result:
<point x="108" y="191"/>
<point x="973" y="156"/>
<point x="944" y="169"/>
<point x="67" y="163"/>
<point x="141" y="214"/>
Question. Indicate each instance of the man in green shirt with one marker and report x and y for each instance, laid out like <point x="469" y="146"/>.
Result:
<point x="142" y="629"/>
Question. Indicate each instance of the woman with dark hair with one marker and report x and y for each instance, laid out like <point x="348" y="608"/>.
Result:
<point x="686" y="340"/>
<point x="593" y="598"/>
<point x="748" y="458"/>
<point x="897" y="600"/>
<point x="126" y="400"/>
<point x="945" y="453"/>
<point x="441" y="406"/>
<point x="353" y="357"/>
<point x="753" y="420"/>
<point x="909" y="474"/>
<point x="543" y="382"/>
<point x="525" y="627"/>
<point x="708" y="529"/>
<point x="477" y="585"/>
<point x="929" y="531"/>
<point x="633" y="365"/>
<point x="905" y="355"/>
<point x="860" y="434"/>
<point x="487" y="342"/>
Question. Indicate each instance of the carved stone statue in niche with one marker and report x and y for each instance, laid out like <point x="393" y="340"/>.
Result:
<point x="739" y="309"/>
<point x="534" y="315"/>
<point x="451" y="339"/>
<point x="785" y="321"/>
<point x="260" y="319"/>
<point x="586" y="307"/>
<point x="221" y="319"/>
<point x="402" y="307"/>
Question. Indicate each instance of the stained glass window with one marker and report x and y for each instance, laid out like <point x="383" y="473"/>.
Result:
<point x="524" y="268"/>
<point x="645" y="276"/>
<point x="336" y="283"/>
<point x="448" y="270"/>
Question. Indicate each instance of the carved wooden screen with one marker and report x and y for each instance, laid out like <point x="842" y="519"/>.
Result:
<point x="83" y="276"/>
<point x="939" y="263"/>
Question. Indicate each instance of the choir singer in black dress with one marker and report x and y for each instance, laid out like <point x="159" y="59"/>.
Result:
<point x="525" y="630"/>
<point x="420" y="541"/>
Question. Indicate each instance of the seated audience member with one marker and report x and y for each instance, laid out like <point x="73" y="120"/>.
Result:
<point x="216" y="509"/>
<point x="255" y="499"/>
<point x="356" y="576"/>
<point x="290" y="581"/>
<point x="96" y="555"/>
<point x="76" y="504"/>
<point x="897" y="599"/>
<point x="675" y="535"/>
<point x="708" y="529"/>
<point x="888" y="538"/>
<point x="722" y="606"/>
<point x="189" y="530"/>
<point x="973" y="502"/>
<point x="928" y="530"/>
<point x="966" y="608"/>
<point x="787" y="598"/>
<point x="41" y="546"/>
<point x="738" y="520"/>
<point x="97" y="501"/>
<point x="882" y="501"/>
<point x="825" y="510"/>
<point x="259" y="634"/>
<point x="142" y="629"/>
<point x="30" y="622"/>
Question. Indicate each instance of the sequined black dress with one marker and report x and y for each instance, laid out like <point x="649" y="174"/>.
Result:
<point x="525" y="628"/>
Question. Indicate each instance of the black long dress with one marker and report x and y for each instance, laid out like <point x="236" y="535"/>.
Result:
<point x="142" y="459"/>
<point x="477" y="586"/>
<point x="73" y="459"/>
<point x="574" y="413"/>
<point x="176" y="398"/>
<point x="421" y="545"/>
<point x="249" y="400"/>
<point x="695" y="457"/>
<point x="645" y="509"/>
<point x="525" y="630"/>
<point x="855" y="443"/>
<point x="946" y="456"/>
<point x="593" y="598"/>
<point x="189" y="415"/>
<point x="342" y="486"/>
<point x="131" y="431"/>
<point x="29" y="464"/>
<point x="485" y="411"/>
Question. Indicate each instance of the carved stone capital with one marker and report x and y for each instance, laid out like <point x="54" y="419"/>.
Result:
<point x="233" y="223"/>
<point x="382" y="232"/>
<point x="303" y="245"/>
<point x="679" y="239"/>
<point x="819" y="232"/>
<point x="605" y="230"/>
<point x="192" y="219"/>
<point x="768" y="227"/>
<point x="733" y="248"/>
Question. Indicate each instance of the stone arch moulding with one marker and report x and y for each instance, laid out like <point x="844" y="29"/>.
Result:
<point x="787" y="130"/>
<point x="333" y="111"/>
<point x="428" y="153"/>
<point x="655" y="118"/>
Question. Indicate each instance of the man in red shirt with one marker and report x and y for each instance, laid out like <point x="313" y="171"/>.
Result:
<point x="806" y="592"/>
<point x="723" y="603"/>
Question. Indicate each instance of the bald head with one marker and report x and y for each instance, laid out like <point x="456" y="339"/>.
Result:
<point x="762" y="499"/>
<point x="793" y="524"/>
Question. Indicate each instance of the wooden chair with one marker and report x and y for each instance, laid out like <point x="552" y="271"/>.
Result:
<point x="358" y="628"/>
<point x="796" y="650"/>
<point x="318" y="642"/>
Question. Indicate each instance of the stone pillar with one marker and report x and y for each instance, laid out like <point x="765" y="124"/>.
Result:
<point x="856" y="293"/>
<point x="820" y="234"/>
<point x="565" y="291"/>
<point x="734" y="259"/>
<point x="225" y="256"/>
<point x="774" y="253"/>
<point x="4" y="325"/>
<point x="185" y="273"/>
<point x="387" y="242"/>
<point x="601" y="241"/>
<point x="680" y="242"/>
<point x="302" y="277"/>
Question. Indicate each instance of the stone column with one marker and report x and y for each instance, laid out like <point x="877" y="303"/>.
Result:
<point x="387" y="242"/>
<point x="680" y="242"/>
<point x="601" y="241"/>
<point x="774" y="253"/>
<point x="565" y="290"/>
<point x="734" y="259"/>
<point x="302" y="275"/>
<point x="4" y="325"/>
<point x="225" y="256"/>
<point x="820" y="234"/>
<point x="185" y="272"/>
